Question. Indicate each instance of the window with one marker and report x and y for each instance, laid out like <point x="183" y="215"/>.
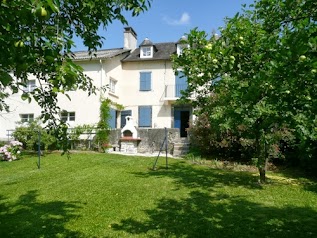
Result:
<point x="112" y="85"/>
<point x="124" y="114"/>
<point x="145" y="116"/>
<point x="181" y="45"/>
<point x="30" y="86"/>
<point x="145" y="81"/>
<point x="27" y="117"/>
<point x="146" y="51"/>
<point x="112" y="121"/>
<point x="180" y="83"/>
<point x="67" y="116"/>
<point x="180" y="48"/>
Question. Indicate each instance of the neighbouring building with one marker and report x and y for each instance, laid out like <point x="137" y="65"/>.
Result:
<point x="139" y="77"/>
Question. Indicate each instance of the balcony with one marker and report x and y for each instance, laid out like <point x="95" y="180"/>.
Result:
<point x="173" y="92"/>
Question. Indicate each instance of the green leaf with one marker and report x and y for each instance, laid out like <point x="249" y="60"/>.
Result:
<point x="5" y="78"/>
<point x="53" y="6"/>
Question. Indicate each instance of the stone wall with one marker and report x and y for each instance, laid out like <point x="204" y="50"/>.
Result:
<point x="151" y="139"/>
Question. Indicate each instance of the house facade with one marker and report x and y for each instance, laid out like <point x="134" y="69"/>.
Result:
<point x="138" y="77"/>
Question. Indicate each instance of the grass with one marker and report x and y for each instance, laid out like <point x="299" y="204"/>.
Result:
<point x="106" y="195"/>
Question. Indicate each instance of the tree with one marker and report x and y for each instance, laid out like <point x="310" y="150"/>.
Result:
<point x="266" y="59"/>
<point x="36" y="38"/>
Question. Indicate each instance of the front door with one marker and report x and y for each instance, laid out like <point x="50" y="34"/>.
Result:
<point x="181" y="120"/>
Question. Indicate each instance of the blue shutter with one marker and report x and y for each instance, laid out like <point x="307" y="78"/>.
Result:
<point x="112" y="119"/>
<point x="177" y="118"/>
<point x="123" y="115"/>
<point x="145" y="81"/>
<point x="180" y="84"/>
<point x="145" y="116"/>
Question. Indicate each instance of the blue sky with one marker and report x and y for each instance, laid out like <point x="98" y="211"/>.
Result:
<point x="168" y="20"/>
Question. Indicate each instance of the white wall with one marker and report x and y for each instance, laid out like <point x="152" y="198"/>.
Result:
<point x="162" y="74"/>
<point x="86" y="107"/>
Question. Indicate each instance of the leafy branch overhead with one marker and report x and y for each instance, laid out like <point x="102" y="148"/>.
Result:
<point x="36" y="39"/>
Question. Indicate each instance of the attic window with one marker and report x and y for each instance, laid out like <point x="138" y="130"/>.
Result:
<point x="181" y="45"/>
<point x="180" y="48"/>
<point x="146" y="51"/>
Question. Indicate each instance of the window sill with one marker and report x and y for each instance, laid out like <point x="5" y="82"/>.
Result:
<point x="113" y="94"/>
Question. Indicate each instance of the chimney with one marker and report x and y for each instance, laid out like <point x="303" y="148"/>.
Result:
<point x="130" y="38"/>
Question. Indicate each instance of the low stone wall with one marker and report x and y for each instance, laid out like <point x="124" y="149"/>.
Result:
<point x="151" y="139"/>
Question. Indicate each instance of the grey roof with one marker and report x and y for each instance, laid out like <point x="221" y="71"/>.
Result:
<point x="146" y="42"/>
<point x="163" y="51"/>
<point x="100" y="54"/>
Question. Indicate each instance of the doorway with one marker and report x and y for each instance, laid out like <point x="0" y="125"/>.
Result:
<point x="181" y="120"/>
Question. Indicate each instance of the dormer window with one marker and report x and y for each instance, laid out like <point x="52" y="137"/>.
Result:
<point x="181" y="45"/>
<point x="146" y="49"/>
<point x="147" y="52"/>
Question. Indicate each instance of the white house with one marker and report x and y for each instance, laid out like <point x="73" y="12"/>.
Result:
<point x="140" y="77"/>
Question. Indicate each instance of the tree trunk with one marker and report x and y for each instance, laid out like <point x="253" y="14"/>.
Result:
<point x="261" y="152"/>
<point x="262" y="170"/>
<point x="262" y="175"/>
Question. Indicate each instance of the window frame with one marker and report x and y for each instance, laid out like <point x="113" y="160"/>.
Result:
<point x="27" y="117"/>
<point x="146" y="52"/>
<point x="67" y="116"/>
<point x="30" y="86"/>
<point x="146" y="81"/>
<point x="180" y="48"/>
<point x="112" y="85"/>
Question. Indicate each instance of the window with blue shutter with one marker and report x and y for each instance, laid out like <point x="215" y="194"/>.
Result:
<point x="145" y="116"/>
<point x="145" y="81"/>
<point x="112" y="121"/>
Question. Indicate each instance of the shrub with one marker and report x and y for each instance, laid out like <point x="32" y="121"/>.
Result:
<point x="28" y="134"/>
<point x="237" y="143"/>
<point x="11" y="151"/>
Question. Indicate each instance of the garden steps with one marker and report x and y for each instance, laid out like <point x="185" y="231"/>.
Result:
<point x="181" y="147"/>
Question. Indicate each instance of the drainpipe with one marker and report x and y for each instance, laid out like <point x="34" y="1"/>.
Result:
<point x="101" y="79"/>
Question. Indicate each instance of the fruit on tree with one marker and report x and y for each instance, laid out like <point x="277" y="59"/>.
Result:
<point x="302" y="58"/>
<point x="19" y="44"/>
<point x="41" y="12"/>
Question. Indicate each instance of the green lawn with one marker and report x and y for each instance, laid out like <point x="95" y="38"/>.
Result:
<point x="106" y="195"/>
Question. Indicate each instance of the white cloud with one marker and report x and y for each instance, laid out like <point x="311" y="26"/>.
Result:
<point x="184" y="20"/>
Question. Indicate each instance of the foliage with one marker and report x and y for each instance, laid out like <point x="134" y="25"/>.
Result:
<point x="28" y="134"/>
<point x="205" y="136"/>
<point x="77" y="131"/>
<point x="36" y="39"/>
<point x="266" y="60"/>
<point x="103" y="128"/>
<point x="11" y="151"/>
<point x="98" y="195"/>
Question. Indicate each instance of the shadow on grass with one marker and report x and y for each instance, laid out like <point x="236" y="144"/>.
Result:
<point x="204" y="215"/>
<point x="204" y="177"/>
<point x="28" y="217"/>
<point x="301" y="177"/>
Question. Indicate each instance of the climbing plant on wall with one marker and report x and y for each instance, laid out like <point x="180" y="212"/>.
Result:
<point x="102" y="134"/>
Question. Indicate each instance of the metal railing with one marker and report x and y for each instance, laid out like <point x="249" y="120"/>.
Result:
<point x="174" y="91"/>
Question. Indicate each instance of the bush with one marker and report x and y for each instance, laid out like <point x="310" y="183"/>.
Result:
<point x="29" y="136"/>
<point x="11" y="151"/>
<point x="206" y="138"/>
<point x="237" y="143"/>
